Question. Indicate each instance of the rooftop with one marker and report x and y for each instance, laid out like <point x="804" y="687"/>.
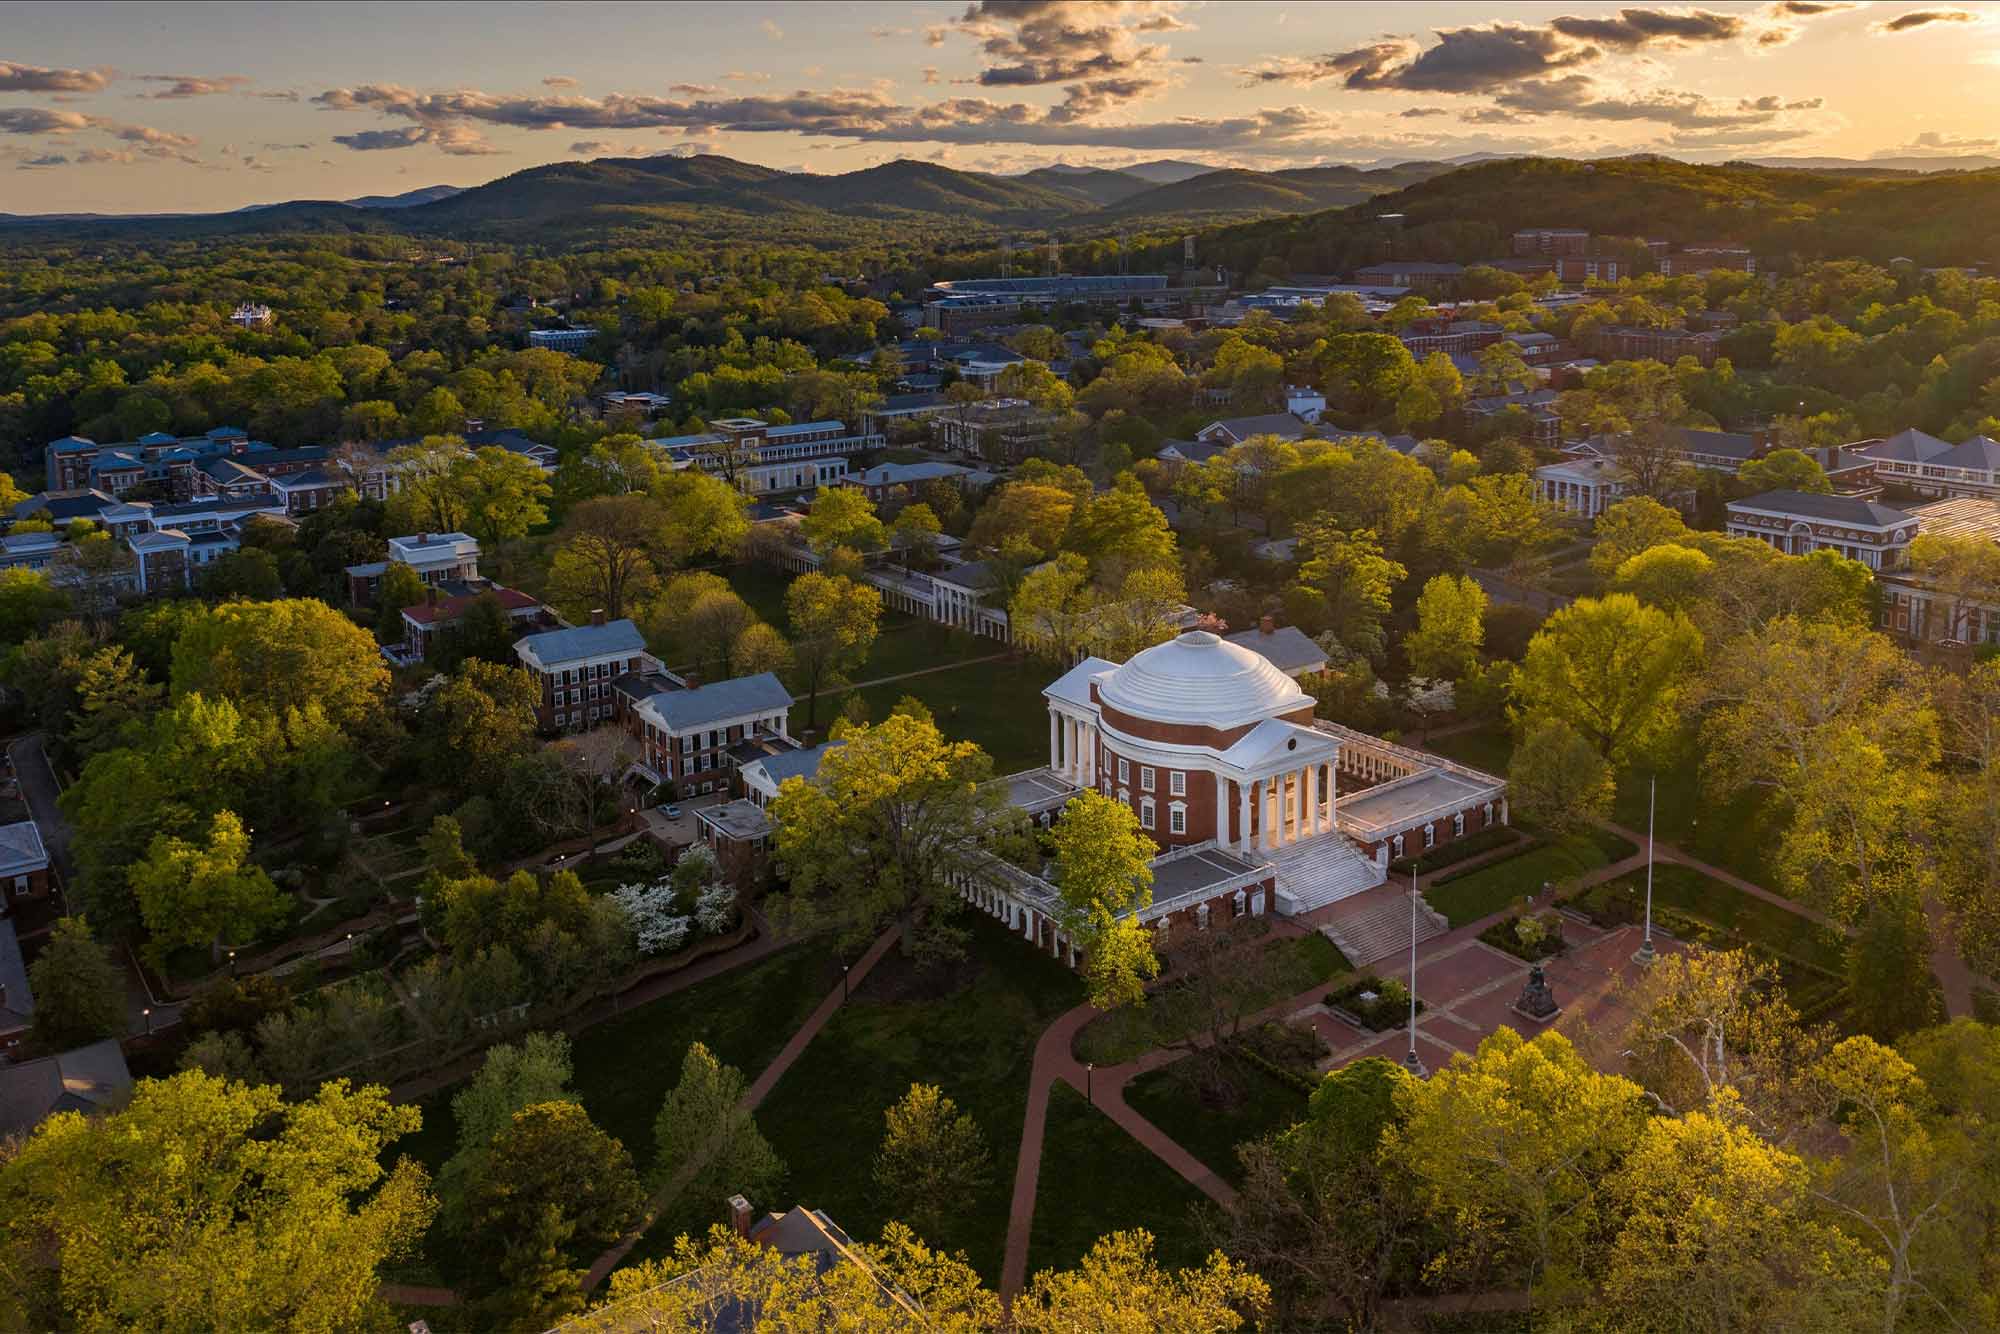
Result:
<point x="740" y="820"/>
<point x="1829" y="509"/>
<point x="1963" y="516"/>
<point x="689" y="710"/>
<point x="21" y="848"/>
<point x="553" y="647"/>
<point x="1287" y="648"/>
<point x="1201" y="679"/>
<point x="82" y="1080"/>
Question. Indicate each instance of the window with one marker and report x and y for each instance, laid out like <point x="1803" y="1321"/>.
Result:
<point x="687" y="744"/>
<point x="1176" y="783"/>
<point x="1201" y="917"/>
<point x="1145" y="812"/>
<point x="1177" y="818"/>
<point x="1458" y="825"/>
<point x="1124" y="771"/>
<point x="1145" y="778"/>
<point x="1430" y="835"/>
<point x="1396" y="846"/>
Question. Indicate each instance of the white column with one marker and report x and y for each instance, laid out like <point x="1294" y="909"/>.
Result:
<point x="1242" y="816"/>
<point x="1312" y="800"/>
<point x="1089" y="754"/>
<point x="1055" y="747"/>
<point x="1274" y="803"/>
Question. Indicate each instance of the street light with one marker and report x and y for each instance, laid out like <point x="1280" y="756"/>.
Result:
<point x="1411" y="1061"/>
<point x="1090" y="1082"/>
<point x="1645" y="955"/>
<point x="148" y="1012"/>
<point x="232" y="963"/>
<point x="843" y="982"/>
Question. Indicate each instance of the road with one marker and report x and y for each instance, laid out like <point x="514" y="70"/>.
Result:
<point x="40" y="790"/>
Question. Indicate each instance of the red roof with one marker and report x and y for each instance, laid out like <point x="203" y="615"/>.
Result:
<point x="450" y="609"/>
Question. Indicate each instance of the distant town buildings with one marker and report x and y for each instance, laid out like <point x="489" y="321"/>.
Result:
<point x="759" y="458"/>
<point x="251" y="315"/>
<point x="1551" y="241"/>
<point x="564" y="339"/>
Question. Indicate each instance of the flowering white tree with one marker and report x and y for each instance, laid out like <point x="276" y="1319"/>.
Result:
<point x="715" y="910"/>
<point x="656" y="927"/>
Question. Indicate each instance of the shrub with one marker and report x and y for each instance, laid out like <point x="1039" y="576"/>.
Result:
<point x="1375" y="1003"/>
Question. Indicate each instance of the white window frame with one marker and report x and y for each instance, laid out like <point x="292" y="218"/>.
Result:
<point x="1430" y="835"/>
<point x="1146" y="776"/>
<point x="1396" y="846"/>
<point x="1124" y="770"/>
<point x="1177" y="817"/>
<point x="1176" y="782"/>
<point x="1146" y="817"/>
<point x="1458" y="825"/>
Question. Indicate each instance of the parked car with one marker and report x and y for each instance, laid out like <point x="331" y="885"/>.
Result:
<point x="671" y="812"/>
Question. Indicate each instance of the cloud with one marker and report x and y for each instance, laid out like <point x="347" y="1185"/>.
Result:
<point x="97" y="156"/>
<point x="372" y="141"/>
<point x="1806" y="9"/>
<point x="740" y="76"/>
<point x="694" y="89"/>
<point x="280" y="95"/>
<point x="286" y="148"/>
<point x="192" y="85"/>
<point x="40" y="120"/>
<point x="1634" y="28"/>
<point x="1924" y="18"/>
<point x="15" y="78"/>
<point x="771" y="30"/>
<point x="255" y="163"/>
<point x="1465" y="60"/>
<point x="883" y="31"/>
<point x="1028" y="43"/>
<point x="1419" y="113"/>
<point x="559" y="81"/>
<point x="147" y="135"/>
<point x="1935" y="142"/>
<point x="45" y="160"/>
<point x="932" y="75"/>
<point x="1579" y="96"/>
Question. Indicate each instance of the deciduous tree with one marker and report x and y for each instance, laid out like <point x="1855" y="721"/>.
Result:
<point x="834" y="622"/>
<point x="605" y="557"/>
<point x="1103" y="865"/>
<point x="706" y="1142"/>
<point x="282" y="655"/>
<point x="1120" y="1288"/>
<point x="79" y="992"/>
<point x="933" y="1163"/>
<point x="1613" y="670"/>
<point x="196" y="894"/>
<point x="842" y="516"/>
<point x="1451" y="626"/>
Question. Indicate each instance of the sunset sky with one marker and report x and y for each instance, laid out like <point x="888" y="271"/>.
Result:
<point x="190" y="107"/>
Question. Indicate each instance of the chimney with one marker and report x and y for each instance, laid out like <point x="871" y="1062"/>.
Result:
<point x="739" y="1216"/>
<point x="597" y="615"/>
<point x="423" y="539"/>
<point x="1267" y="624"/>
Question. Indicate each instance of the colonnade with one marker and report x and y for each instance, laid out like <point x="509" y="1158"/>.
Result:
<point x="1289" y="807"/>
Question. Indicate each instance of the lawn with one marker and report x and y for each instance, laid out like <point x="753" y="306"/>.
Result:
<point x="1760" y="922"/>
<point x="1169" y="1014"/>
<point x="969" y="1028"/>
<point x="625" y="1066"/>
<point x="1496" y="885"/>
<point x="997" y="704"/>
<point x="1097" y="1179"/>
<point x="1168" y="1099"/>
<point x="1732" y="834"/>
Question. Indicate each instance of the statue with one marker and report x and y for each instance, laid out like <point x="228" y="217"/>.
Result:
<point x="1536" y="1001"/>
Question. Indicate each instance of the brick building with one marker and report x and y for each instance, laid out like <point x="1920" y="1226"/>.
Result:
<point x="575" y="668"/>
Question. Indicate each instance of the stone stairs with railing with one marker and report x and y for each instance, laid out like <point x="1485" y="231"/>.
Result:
<point x="1379" y="927"/>
<point x="1321" y="870"/>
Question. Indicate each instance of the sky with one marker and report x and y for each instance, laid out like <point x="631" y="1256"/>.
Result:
<point x="176" y="107"/>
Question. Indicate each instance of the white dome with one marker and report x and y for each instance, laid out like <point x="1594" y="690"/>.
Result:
<point x="1203" y="679"/>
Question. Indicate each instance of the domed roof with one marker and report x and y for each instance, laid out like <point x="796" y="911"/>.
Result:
<point x="1203" y="679"/>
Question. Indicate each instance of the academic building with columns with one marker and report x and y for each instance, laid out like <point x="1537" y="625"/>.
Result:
<point x="1256" y="804"/>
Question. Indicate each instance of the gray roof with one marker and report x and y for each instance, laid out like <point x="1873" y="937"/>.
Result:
<point x="65" y="505"/>
<point x="1978" y="453"/>
<point x="902" y="474"/>
<point x="82" y="1080"/>
<point x="1196" y="451"/>
<point x="1287" y="648"/>
<point x="974" y="574"/>
<point x="687" y="710"/>
<point x="19" y="1006"/>
<point x="1726" y="444"/>
<point x="1282" y="424"/>
<point x="583" y="641"/>
<point x="1910" y="446"/>
<point x="793" y="763"/>
<point x="1831" y="509"/>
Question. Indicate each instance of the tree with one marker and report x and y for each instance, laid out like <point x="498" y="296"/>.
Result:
<point x="1451" y="627"/>
<point x="114" y="702"/>
<point x="706" y="516"/>
<point x="249" y="572"/>
<point x="1559" y="781"/>
<point x="1613" y="670"/>
<point x="1964" y="570"/>
<point x="512" y="1076"/>
<point x="759" y="648"/>
<point x="1320" y="1216"/>
<point x="933" y="1162"/>
<point x="1673" y="578"/>
<point x="549" y="1159"/>
<point x="1630" y="527"/>
<point x="431" y="490"/>
<point x="1783" y="470"/>
<point x="706" y="1142"/>
<point x="1103" y="865"/>
<point x="1344" y="584"/>
<point x="842" y="516"/>
<point x="400" y="587"/>
<point x="282" y="655"/>
<point x="196" y="895"/>
<point x="504" y="493"/>
<point x="884" y="834"/>
<point x="212" y="1205"/>
<point x="834" y="623"/>
<point x="28" y="604"/>
<point x="1056" y="613"/>
<point x="1889" y="970"/>
<point x="1715" y="1232"/>
<point x="1509" y="1151"/>
<point x="1120" y="1289"/>
<point x="916" y="532"/>
<point x="604" y="558"/>
<point x="1033" y="512"/>
<point x="618" y="465"/>
<point x="1120" y="530"/>
<point x="79" y="992"/>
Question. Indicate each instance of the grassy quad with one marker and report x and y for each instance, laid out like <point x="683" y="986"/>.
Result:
<point x="1496" y="885"/>
<point x="1170" y="1101"/>
<point x="1097" y="1179"/>
<point x="971" y="1029"/>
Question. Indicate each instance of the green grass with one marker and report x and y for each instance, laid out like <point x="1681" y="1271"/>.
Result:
<point x="1170" y="1014"/>
<point x="1168" y="1099"/>
<point x="971" y="1032"/>
<point x="1497" y="885"/>
<point x="1757" y="921"/>
<point x="1096" y="1179"/>
<point x="626" y="1066"/>
<point x="997" y="704"/>
<point x="1733" y="834"/>
<point x="1489" y="748"/>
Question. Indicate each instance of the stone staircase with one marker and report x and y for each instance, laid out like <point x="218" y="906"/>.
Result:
<point x="1319" y="871"/>
<point x="1379" y="927"/>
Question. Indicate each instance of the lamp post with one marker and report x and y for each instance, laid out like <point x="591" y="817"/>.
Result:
<point x="232" y="963"/>
<point x="1090" y="1082"/>
<point x="843" y="982"/>
<point x="1646" y="954"/>
<point x="1411" y="1061"/>
<point x="148" y="1012"/>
